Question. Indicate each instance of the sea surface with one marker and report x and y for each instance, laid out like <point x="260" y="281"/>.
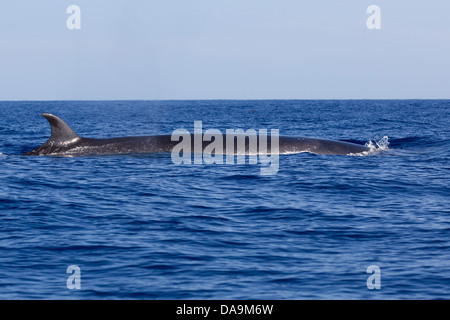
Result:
<point x="141" y="227"/>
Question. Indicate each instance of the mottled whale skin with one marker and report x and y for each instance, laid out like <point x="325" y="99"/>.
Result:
<point x="65" y="142"/>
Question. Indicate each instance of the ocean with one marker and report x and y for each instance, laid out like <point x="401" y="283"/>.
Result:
<point x="140" y="227"/>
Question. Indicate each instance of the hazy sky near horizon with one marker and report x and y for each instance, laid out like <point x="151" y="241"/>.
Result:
<point x="224" y="49"/>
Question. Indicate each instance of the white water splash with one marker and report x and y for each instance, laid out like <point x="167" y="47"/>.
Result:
<point x="378" y="143"/>
<point x="375" y="145"/>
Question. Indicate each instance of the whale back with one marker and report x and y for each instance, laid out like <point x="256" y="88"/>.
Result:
<point x="64" y="141"/>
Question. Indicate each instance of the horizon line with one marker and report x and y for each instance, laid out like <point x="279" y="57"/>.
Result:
<point x="224" y="99"/>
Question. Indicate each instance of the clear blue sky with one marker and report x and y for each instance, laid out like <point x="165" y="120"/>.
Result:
<point x="224" y="49"/>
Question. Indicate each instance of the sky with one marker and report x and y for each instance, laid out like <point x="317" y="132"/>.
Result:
<point x="224" y="49"/>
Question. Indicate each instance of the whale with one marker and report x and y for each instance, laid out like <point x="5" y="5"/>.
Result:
<point x="64" y="141"/>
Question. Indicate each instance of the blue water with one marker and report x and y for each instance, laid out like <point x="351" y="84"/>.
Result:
<point x="140" y="227"/>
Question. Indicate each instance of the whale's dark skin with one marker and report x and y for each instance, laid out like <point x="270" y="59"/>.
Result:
<point x="65" y="142"/>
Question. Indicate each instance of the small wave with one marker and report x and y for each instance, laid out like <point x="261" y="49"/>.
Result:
<point x="408" y="141"/>
<point x="416" y="142"/>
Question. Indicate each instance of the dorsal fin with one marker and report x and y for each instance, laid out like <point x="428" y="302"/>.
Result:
<point x="61" y="132"/>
